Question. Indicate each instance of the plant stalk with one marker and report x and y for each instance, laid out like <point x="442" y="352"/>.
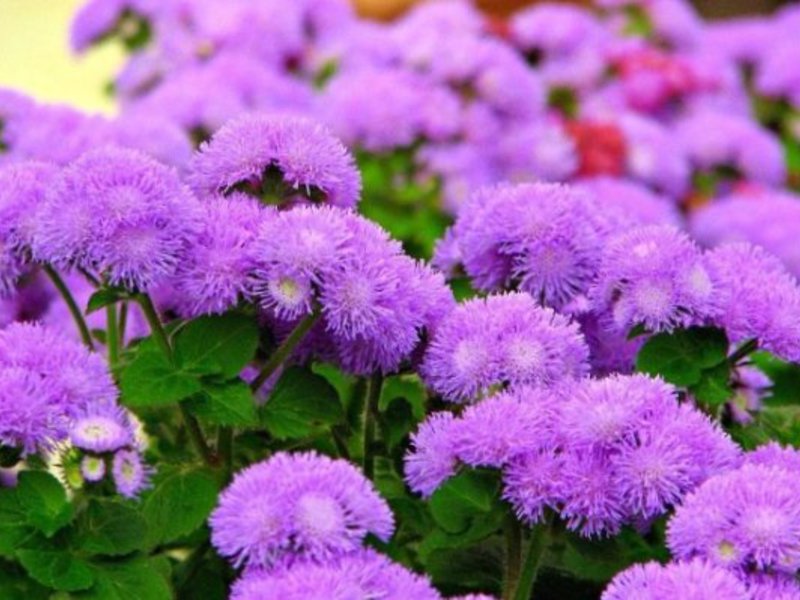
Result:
<point x="513" y="557"/>
<point x="284" y="350"/>
<point x="112" y="336"/>
<point x="742" y="351"/>
<point x="540" y="536"/>
<point x="69" y="299"/>
<point x="370" y="420"/>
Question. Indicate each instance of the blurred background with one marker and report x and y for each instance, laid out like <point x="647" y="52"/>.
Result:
<point x="34" y="56"/>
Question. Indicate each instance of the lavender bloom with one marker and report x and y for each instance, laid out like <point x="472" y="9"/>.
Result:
<point x="610" y="351"/>
<point x="156" y="136"/>
<point x="504" y="339"/>
<point x="773" y="587"/>
<point x="119" y="212"/>
<point x="653" y="276"/>
<point x="769" y="220"/>
<point x="776" y="75"/>
<point x="538" y="150"/>
<point x="433" y="458"/>
<point x="695" y="579"/>
<point x="215" y="272"/>
<point x="277" y="159"/>
<point x="773" y="454"/>
<point x="131" y="475"/>
<point x="756" y="298"/>
<point x="302" y="504"/>
<point x="362" y="574"/>
<point x="102" y="428"/>
<point x="630" y="203"/>
<point x="98" y="19"/>
<point x="540" y="238"/>
<point x="748" y="518"/>
<point x="714" y="140"/>
<point x="93" y="468"/>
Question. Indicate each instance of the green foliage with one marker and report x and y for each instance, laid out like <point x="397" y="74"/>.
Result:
<point x="150" y="379"/>
<point x="43" y="501"/>
<point x="465" y="498"/>
<point x="110" y="528"/>
<point x="225" y="403"/>
<point x="219" y="345"/>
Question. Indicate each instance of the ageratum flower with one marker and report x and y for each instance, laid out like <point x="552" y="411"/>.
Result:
<point x="652" y="276"/>
<point x="22" y="189"/>
<point x="697" y="579"/>
<point x="102" y="428"/>
<point x="629" y="203"/>
<point x="757" y="298"/>
<point x="770" y="220"/>
<point x="363" y="574"/>
<point x="773" y="587"/>
<point x="540" y="238"/>
<point x="748" y="518"/>
<point x="214" y="273"/>
<point x="505" y="339"/>
<point x="119" y="213"/>
<point x="93" y="468"/>
<point x="99" y="18"/>
<point x="277" y="159"/>
<point x="300" y="505"/>
<point x="776" y="76"/>
<point x="131" y="474"/>
<point x="432" y="459"/>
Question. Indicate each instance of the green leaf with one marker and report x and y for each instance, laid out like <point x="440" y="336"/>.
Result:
<point x="137" y="578"/>
<point x="105" y="297"/>
<point x="179" y="504"/>
<point x="228" y="403"/>
<point x="57" y="569"/>
<point x="150" y="380"/>
<point x="300" y="401"/>
<point x="478" y="530"/>
<point x="681" y="356"/>
<point x="469" y="495"/>
<point x="217" y="345"/>
<point x="44" y="501"/>
<point x="409" y="387"/>
<point x="111" y="528"/>
<point x="14" y="528"/>
<point x="714" y="387"/>
<point x="396" y="422"/>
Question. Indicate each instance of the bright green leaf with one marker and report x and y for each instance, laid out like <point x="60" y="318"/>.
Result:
<point x="137" y="578"/>
<point x="57" y="569"/>
<point x="217" y="345"/>
<point x="150" y="380"/>
<point x="714" y="387"/>
<point x="300" y="401"/>
<point x="14" y="528"/>
<point x="228" y="403"/>
<point x="44" y="501"/>
<point x="681" y="356"/>
<point x="111" y="528"/>
<point x="104" y="297"/>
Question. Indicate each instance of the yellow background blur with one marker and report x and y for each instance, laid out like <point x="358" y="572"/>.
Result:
<point x="35" y="56"/>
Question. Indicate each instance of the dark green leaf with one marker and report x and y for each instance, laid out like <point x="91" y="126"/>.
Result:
<point x="217" y="345"/>
<point x="300" y="401"/>
<point x="57" y="569"/>
<point x="179" y="504"/>
<point x="14" y="528"/>
<point x="111" y="528"/>
<point x="396" y="422"/>
<point x="462" y="570"/>
<point x="714" y="386"/>
<point x="44" y="501"/>
<point x="104" y="297"/>
<point x="409" y="387"/>
<point x="228" y="403"/>
<point x="137" y="578"/>
<point x="681" y="356"/>
<point x="461" y="499"/>
<point x="150" y="380"/>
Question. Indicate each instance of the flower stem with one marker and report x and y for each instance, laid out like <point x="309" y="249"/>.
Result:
<point x="540" y="536"/>
<point x="742" y="351"/>
<point x="160" y="335"/>
<point x="513" y="557"/>
<point x="112" y="336"/>
<point x="370" y="418"/>
<point x="69" y="299"/>
<point x="284" y="350"/>
<point x="225" y="450"/>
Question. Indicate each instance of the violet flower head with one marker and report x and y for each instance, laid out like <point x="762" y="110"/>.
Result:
<point x="540" y="238"/>
<point x="696" y="579"/>
<point x="432" y="459"/>
<point x="131" y="474"/>
<point x="277" y="159"/>
<point x="770" y="220"/>
<point x="214" y="273"/>
<point x="153" y="135"/>
<point x="102" y="428"/>
<point x="539" y="150"/>
<point x="756" y="298"/>
<point x="653" y="276"/>
<point x="773" y="587"/>
<point x="629" y="203"/>
<point x="121" y="213"/>
<point x="304" y="504"/>
<point x="93" y="468"/>
<point x="362" y="574"/>
<point x="776" y="77"/>
<point x="748" y="518"/>
<point x="98" y="19"/>
<point x="502" y="340"/>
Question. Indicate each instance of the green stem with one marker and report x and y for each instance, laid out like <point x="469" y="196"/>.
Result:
<point x="284" y="350"/>
<point x="225" y="450"/>
<point x="742" y="351"/>
<point x="112" y="336"/>
<point x="192" y="564"/>
<point x="513" y="557"/>
<point x="160" y="335"/>
<point x="540" y="536"/>
<point x="123" y="323"/>
<point x="370" y="419"/>
<point x="69" y="299"/>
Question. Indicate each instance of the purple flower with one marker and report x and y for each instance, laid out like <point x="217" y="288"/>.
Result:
<point x="362" y="574"/>
<point x="131" y="474"/>
<point x="304" y="504"/>
<point x="773" y="587"/>
<point x="540" y="150"/>
<point x="770" y="220"/>
<point x="505" y="339"/>
<point x="757" y="298"/>
<point x="432" y="459"/>
<point x="214" y="273"/>
<point x="93" y="468"/>
<point x="98" y="19"/>
<point x="153" y="135"/>
<point x="776" y="76"/>
<point x="695" y="579"/>
<point x="653" y="276"/>
<point x="540" y="238"/>
<point x="118" y="212"/>
<point x="773" y="454"/>
<point x="103" y="428"/>
<point x="277" y="159"/>
<point x="628" y="203"/>
<point x="610" y="351"/>
<point x="748" y="518"/>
